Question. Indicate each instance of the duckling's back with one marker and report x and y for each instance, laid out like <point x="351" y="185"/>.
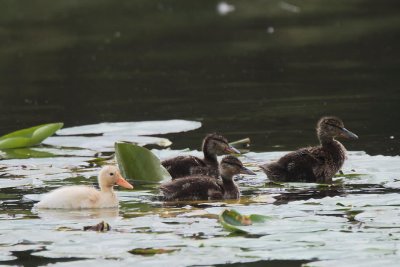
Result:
<point x="194" y="187"/>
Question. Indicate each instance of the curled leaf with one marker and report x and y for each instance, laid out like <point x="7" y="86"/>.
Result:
<point x="233" y="221"/>
<point x="29" y="136"/>
<point x="139" y="164"/>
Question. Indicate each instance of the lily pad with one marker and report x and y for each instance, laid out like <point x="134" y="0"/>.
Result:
<point x="151" y="251"/>
<point x="133" y="128"/>
<point x="29" y="136"/>
<point x="25" y="153"/>
<point x="103" y="143"/>
<point x="139" y="164"/>
<point x="233" y="221"/>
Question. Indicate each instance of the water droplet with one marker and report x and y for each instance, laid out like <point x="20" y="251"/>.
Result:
<point x="224" y="8"/>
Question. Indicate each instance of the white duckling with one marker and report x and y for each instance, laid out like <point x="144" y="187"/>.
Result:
<point x="86" y="197"/>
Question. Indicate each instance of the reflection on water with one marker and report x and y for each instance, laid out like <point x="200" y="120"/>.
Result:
<point x="267" y="70"/>
<point x="73" y="215"/>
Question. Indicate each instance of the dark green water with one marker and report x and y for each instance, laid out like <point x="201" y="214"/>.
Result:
<point x="84" y="62"/>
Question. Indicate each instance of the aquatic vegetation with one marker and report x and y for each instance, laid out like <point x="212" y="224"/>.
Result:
<point x="139" y="164"/>
<point x="357" y="215"/>
<point x="29" y="136"/>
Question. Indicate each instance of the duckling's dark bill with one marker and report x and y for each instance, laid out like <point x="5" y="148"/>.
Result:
<point x="244" y="170"/>
<point x="232" y="150"/>
<point x="347" y="134"/>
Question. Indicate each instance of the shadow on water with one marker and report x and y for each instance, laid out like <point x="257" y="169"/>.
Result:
<point x="24" y="258"/>
<point x="272" y="263"/>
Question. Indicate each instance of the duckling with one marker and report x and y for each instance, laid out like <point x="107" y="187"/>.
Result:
<point x="313" y="164"/>
<point x="213" y="145"/>
<point x="85" y="197"/>
<point x="200" y="187"/>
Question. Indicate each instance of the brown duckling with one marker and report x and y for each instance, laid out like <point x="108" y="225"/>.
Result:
<point x="313" y="164"/>
<point x="213" y="145"/>
<point x="200" y="187"/>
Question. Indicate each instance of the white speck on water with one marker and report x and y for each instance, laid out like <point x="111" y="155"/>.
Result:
<point x="289" y="7"/>
<point x="391" y="137"/>
<point x="270" y="30"/>
<point x="224" y="8"/>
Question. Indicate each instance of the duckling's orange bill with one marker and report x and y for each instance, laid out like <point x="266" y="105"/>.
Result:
<point x="122" y="182"/>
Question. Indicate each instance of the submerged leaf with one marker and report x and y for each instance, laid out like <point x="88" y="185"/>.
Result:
<point x="151" y="251"/>
<point x="100" y="227"/>
<point x="139" y="164"/>
<point x="29" y="136"/>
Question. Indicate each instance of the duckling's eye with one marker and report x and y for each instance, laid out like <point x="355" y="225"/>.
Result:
<point x="111" y="173"/>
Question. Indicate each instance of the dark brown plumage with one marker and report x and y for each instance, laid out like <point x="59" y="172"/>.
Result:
<point x="213" y="145"/>
<point x="200" y="187"/>
<point x="313" y="164"/>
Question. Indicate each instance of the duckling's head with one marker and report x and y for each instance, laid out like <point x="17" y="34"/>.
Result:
<point x="218" y="145"/>
<point x="110" y="176"/>
<point x="231" y="166"/>
<point x="331" y="127"/>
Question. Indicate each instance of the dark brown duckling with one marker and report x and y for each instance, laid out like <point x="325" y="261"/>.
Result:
<point x="213" y="145"/>
<point x="199" y="187"/>
<point x="313" y="164"/>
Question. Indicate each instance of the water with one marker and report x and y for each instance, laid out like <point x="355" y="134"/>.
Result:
<point x="268" y="71"/>
<point x="84" y="62"/>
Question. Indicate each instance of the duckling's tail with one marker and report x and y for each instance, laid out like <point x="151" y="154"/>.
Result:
<point x="274" y="171"/>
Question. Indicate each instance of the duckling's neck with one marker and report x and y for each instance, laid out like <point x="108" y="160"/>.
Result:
<point x="209" y="156"/>
<point x="231" y="190"/>
<point x="106" y="188"/>
<point x="325" y="139"/>
<point x="335" y="149"/>
<point x="227" y="177"/>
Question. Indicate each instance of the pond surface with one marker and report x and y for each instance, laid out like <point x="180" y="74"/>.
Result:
<point x="266" y="70"/>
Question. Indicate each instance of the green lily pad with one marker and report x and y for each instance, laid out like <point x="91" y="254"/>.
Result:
<point x="25" y="153"/>
<point x="139" y="164"/>
<point x="235" y="222"/>
<point x="29" y="136"/>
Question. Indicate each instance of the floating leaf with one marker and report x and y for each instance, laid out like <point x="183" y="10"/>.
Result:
<point x="104" y="143"/>
<point x="232" y="220"/>
<point x="25" y="153"/>
<point x="139" y="164"/>
<point x="29" y="136"/>
<point x="133" y="128"/>
<point x="151" y="251"/>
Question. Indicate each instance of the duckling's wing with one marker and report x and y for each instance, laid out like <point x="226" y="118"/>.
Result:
<point x="299" y="165"/>
<point x="181" y="166"/>
<point x="191" y="188"/>
<point x="207" y="171"/>
<point x="70" y="197"/>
